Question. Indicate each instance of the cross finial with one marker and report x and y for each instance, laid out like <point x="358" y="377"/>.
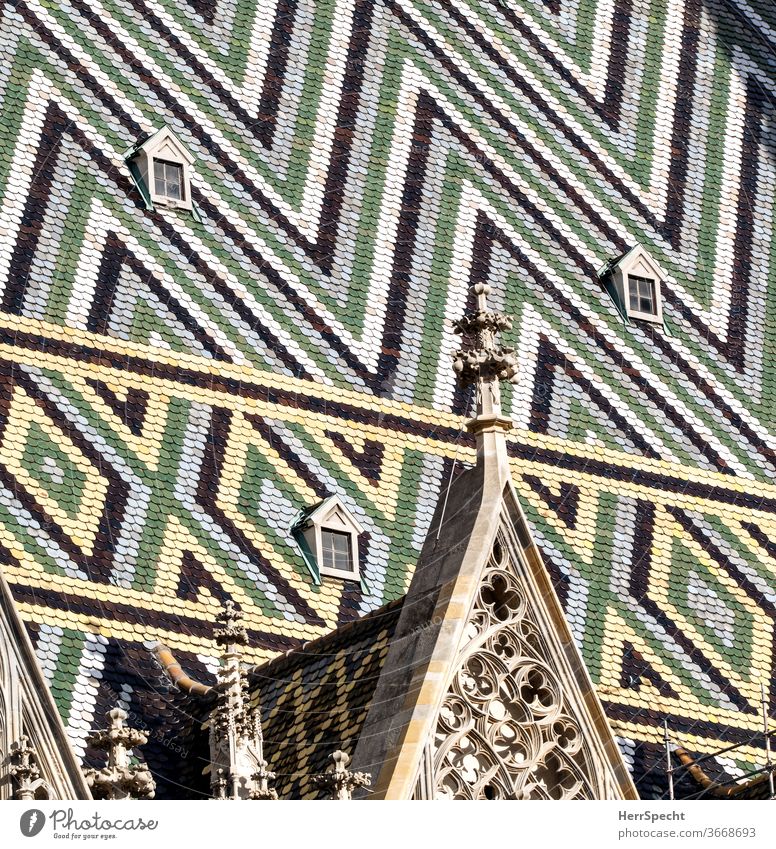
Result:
<point x="232" y="632"/>
<point x="119" y="779"/>
<point x="484" y="362"/>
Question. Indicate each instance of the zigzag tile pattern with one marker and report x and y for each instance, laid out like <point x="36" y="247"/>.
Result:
<point x="175" y="387"/>
<point x="316" y="700"/>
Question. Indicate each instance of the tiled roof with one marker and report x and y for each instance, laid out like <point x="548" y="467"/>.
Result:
<point x="758" y="788"/>
<point x="314" y="700"/>
<point x="703" y="778"/>
<point x="175" y="388"/>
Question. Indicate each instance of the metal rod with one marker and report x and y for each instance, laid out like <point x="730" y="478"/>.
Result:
<point x="447" y="495"/>
<point x="669" y="765"/>
<point x="769" y="766"/>
<point x="450" y="479"/>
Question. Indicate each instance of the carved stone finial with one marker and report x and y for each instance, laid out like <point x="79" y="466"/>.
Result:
<point x="262" y="779"/>
<point x="338" y="781"/>
<point x="237" y="766"/>
<point x="24" y="769"/>
<point x="119" y="779"/>
<point x="232" y="631"/>
<point x="484" y="362"/>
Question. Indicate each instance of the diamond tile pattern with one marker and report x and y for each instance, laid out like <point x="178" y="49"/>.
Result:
<point x="175" y="387"/>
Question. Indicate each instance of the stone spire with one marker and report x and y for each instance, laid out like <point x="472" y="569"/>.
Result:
<point x="119" y="779"/>
<point x="485" y="363"/>
<point x="238" y="768"/>
<point x="482" y="647"/>
<point x="340" y="782"/>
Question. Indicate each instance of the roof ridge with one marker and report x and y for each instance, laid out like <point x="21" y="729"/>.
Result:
<point x="307" y="648"/>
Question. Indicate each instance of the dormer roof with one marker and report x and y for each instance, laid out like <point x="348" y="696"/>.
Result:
<point x="635" y="260"/>
<point x="331" y="509"/>
<point x="162" y="143"/>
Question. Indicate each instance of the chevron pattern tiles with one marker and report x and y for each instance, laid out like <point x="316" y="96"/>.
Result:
<point x="176" y="386"/>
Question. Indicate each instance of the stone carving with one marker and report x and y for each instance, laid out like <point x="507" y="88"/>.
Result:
<point x="25" y="772"/>
<point x="505" y="729"/>
<point x="119" y="779"/>
<point x="485" y="360"/>
<point x="338" y="781"/>
<point x="262" y="779"/>
<point x="238" y="769"/>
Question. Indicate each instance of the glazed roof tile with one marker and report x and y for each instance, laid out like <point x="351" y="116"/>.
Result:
<point x="314" y="700"/>
<point x="174" y="389"/>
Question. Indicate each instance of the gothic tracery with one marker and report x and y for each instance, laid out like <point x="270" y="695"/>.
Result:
<point x="506" y="729"/>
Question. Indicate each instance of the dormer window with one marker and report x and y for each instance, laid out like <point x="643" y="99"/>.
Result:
<point x="336" y="551"/>
<point x="633" y="280"/>
<point x="160" y="166"/>
<point x="328" y="536"/>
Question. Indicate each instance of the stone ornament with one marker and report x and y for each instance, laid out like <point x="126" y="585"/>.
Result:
<point x="338" y="781"/>
<point x="486" y="359"/>
<point x="505" y="729"/>
<point x="231" y="631"/>
<point x="25" y="773"/>
<point x="119" y="779"/>
<point x="262" y="779"/>
<point x="238" y="769"/>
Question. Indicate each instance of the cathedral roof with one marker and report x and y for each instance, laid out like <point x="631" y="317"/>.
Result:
<point x="28" y="715"/>
<point x="174" y="388"/>
<point x="314" y="700"/>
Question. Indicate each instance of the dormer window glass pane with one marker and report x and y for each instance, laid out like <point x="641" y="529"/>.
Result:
<point x="642" y="295"/>
<point x="168" y="179"/>
<point x="336" y="550"/>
